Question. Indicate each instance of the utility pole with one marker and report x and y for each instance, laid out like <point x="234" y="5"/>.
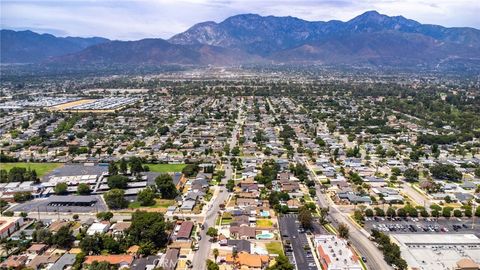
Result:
<point x="473" y="215"/>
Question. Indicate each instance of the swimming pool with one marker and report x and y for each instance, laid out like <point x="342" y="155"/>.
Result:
<point x="265" y="235"/>
<point x="265" y="213"/>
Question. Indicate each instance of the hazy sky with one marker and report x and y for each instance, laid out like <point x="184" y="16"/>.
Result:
<point x="129" y="20"/>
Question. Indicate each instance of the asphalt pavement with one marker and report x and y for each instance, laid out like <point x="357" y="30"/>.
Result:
<point x="357" y="237"/>
<point x="201" y="255"/>
<point x="299" y="255"/>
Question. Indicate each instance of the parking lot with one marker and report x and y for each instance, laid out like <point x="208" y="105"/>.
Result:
<point x="296" y="243"/>
<point x="422" y="225"/>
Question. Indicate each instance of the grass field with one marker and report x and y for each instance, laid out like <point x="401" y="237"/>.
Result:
<point x="166" y="168"/>
<point x="159" y="203"/>
<point x="226" y="221"/>
<point x="40" y="168"/>
<point x="274" y="248"/>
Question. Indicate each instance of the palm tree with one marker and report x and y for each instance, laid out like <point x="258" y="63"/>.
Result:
<point x="234" y="255"/>
<point x="343" y="230"/>
<point x="215" y="254"/>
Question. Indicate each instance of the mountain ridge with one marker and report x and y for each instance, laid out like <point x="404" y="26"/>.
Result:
<point x="27" y="46"/>
<point x="368" y="39"/>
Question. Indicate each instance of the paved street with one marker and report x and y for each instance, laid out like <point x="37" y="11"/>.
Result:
<point x="358" y="237"/>
<point x="201" y="254"/>
<point x="204" y="244"/>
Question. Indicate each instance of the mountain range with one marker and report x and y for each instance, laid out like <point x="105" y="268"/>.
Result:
<point x="370" y="38"/>
<point x="28" y="46"/>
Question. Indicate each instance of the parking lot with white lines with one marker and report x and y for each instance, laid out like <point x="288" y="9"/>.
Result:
<point x="423" y="225"/>
<point x="296" y="243"/>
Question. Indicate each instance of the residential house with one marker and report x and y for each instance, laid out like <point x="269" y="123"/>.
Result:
<point x="121" y="260"/>
<point x="184" y="231"/>
<point x="251" y="261"/>
<point x="243" y="232"/>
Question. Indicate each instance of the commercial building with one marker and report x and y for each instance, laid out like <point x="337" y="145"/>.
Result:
<point x="335" y="254"/>
<point x="9" y="225"/>
<point x="434" y="252"/>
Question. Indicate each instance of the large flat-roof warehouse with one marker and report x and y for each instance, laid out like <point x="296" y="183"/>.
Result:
<point x="437" y="252"/>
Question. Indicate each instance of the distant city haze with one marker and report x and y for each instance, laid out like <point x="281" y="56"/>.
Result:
<point x="132" y="20"/>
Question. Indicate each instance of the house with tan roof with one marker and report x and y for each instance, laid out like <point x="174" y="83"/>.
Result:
<point x="14" y="262"/>
<point x="467" y="264"/>
<point x="121" y="261"/>
<point x="244" y="259"/>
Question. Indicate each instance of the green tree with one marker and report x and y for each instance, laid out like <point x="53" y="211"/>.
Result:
<point x="468" y="212"/>
<point x="305" y="217"/>
<point x="135" y="165"/>
<point x="64" y="237"/>
<point x="61" y="188"/>
<point x="149" y="226"/>
<point x="396" y="171"/>
<point x="411" y="175"/>
<point x="477" y="211"/>
<point x="123" y="166"/>
<point x="147" y="248"/>
<point x="115" y="199"/>
<point x="391" y="212"/>
<point x="401" y="212"/>
<point x="215" y="254"/>
<point x="42" y="235"/>
<point x="83" y="189"/>
<point x="112" y="168"/>
<point x="211" y="265"/>
<point x="447" y="212"/>
<point x="212" y="232"/>
<point x="101" y="266"/>
<point x="104" y="216"/>
<point x="477" y="172"/>
<point x="8" y="213"/>
<point x="230" y="185"/>
<point x="117" y="182"/>
<point x="323" y="215"/>
<point x="190" y="170"/>
<point x="343" y="230"/>
<point x="281" y="263"/>
<point x="22" y="196"/>
<point x="166" y="187"/>
<point x="235" y="151"/>
<point x="445" y="172"/>
<point x="146" y="197"/>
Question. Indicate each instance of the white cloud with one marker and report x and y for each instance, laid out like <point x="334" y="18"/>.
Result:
<point x="128" y="19"/>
